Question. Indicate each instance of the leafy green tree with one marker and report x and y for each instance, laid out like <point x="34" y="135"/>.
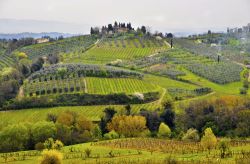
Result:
<point x="66" y="118"/>
<point x="191" y="135"/>
<point x="43" y="130"/>
<point x="73" y="128"/>
<point x="128" y="109"/>
<point x="58" y="145"/>
<point x="168" y="115"/>
<point x="243" y="124"/>
<point x="143" y="29"/>
<point x="108" y="115"/>
<point x="209" y="140"/>
<point x="111" y="135"/>
<point x="97" y="133"/>
<point x="14" y="138"/>
<point x="82" y="124"/>
<point x="152" y="120"/>
<point x="164" y="131"/>
<point x="128" y="126"/>
<point x="224" y="146"/>
<point x="51" y="117"/>
<point x="64" y="133"/>
<point x="39" y="146"/>
<point x="49" y="143"/>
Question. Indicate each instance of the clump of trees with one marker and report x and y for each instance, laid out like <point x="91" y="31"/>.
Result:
<point x="147" y="123"/>
<point x="15" y="44"/>
<point x="68" y="128"/>
<point x="226" y="116"/>
<point x="128" y="126"/>
<point x="10" y="81"/>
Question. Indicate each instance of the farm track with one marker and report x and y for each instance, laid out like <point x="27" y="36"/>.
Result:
<point x="86" y="87"/>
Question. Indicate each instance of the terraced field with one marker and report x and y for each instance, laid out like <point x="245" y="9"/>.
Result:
<point x="5" y="61"/>
<point x="85" y="78"/>
<point x="74" y="44"/>
<point x="118" y="85"/>
<point x="89" y="85"/>
<point x="109" y="50"/>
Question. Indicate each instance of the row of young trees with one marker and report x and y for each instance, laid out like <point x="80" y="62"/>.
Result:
<point x="11" y="78"/>
<point x="78" y="70"/>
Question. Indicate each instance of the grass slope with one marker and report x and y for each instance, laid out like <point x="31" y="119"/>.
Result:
<point x="73" y="44"/>
<point x="111" y="50"/>
<point x="39" y="114"/>
<point x="94" y="85"/>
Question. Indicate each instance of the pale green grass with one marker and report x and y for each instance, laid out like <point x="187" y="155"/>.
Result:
<point x="93" y="113"/>
<point x="103" y="55"/>
<point x="101" y="154"/>
<point x="230" y="88"/>
<point x="118" y="85"/>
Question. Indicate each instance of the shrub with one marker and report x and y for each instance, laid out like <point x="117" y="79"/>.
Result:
<point x="49" y="143"/>
<point x="111" y="135"/>
<point x="209" y="140"/>
<point x="66" y="118"/>
<point x="85" y="136"/>
<point x="243" y="91"/>
<point x="58" y="145"/>
<point x="43" y="130"/>
<point x="191" y="135"/>
<point x="97" y="132"/>
<point x="128" y="126"/>
<point x="224" y="147"/>
<point x="21" y="55"/>
<point x="51" y="157"/>
<point x="170" y="160"/>
<point x="39" y="146"/>
<point x="164" y="130"/>
<point x="87" y="152"/>
<point x="245" y="84"/>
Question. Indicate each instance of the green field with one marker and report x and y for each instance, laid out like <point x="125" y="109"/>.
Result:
<point x="5" y="60"/>
<point x="94" y="113"/>
<point x="130" y="151"/>
<point x="129" y="86"/>
<point x="79" y="43"/>
<point x="111" y="50"/>
<point x="90" y="85"/>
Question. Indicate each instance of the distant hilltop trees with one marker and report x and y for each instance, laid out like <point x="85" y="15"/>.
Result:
<point x="122" y="28"/>
<point x="117" y="28"/>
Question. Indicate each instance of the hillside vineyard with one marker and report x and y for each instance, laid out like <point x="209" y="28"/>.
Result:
<point x="123" y="95"/>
